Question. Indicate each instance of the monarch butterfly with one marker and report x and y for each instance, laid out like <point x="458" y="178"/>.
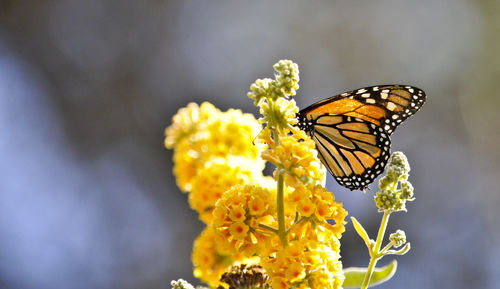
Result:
<point x="352" y="130"/>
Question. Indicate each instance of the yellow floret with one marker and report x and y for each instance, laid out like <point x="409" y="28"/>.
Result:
<point x="237" y="214"/>
<point x="306" y="207"/>
<point x="238" y="230"/>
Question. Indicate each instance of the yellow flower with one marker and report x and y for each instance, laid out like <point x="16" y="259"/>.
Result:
<point x="233" y="134"/>
<point x="257" y="205"/>
<point x="213" y="179"/>
<point x="210" y="260"/>
<point x="244" y="234"/>
<point x="295" y="272"/>
<point x="312" y="258"/>
<point x="299" y="193"/>
<point x="279" y="114"/>
<point x="318" y="205"/>
<point x="306" y="207"/>
<point x="238" y="230"/>
<point x="186" y="122"/>
<point x="185" y="165"/>
<point x="200" y="133"/>
<point x="323" y="210"/>
<point x="237" y="214"/>
<point x="316" y="265"/>
<point x="280" y="283"/>
<point x="219" y="216"/>
<point x="219" y="158"/>
<point x="295" y="249"/>
<point x="297" y="155"/>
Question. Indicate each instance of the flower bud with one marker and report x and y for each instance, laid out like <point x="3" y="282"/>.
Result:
<point x="398" y="238"/>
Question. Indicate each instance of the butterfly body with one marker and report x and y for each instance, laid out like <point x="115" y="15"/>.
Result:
<point x="352" y="130"/>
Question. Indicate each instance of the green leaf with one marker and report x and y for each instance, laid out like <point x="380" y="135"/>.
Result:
<point x="362" y="233"/>
<point x="354" y="275"/>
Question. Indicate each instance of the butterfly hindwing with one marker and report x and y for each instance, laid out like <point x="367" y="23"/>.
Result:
<point x="353" y="150"/>
<point x="351" y="130"/>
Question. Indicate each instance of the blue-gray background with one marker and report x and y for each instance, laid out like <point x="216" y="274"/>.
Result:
<point x="87" y="197"/>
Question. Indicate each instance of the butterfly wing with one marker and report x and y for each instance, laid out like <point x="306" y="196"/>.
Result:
<point x="353" y="150"/>
<point x="352" y="130"/>
<point x="384" y="105"/>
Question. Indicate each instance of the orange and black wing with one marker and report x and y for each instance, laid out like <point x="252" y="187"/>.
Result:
<point x="384" y="105"/>
<point x="352" y="130"/>
<point x="353" y="150"/>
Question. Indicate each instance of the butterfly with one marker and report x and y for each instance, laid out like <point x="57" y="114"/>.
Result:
<point x="352" y="130"/>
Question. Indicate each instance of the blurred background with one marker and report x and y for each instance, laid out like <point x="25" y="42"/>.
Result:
<point x="87" y="196"/>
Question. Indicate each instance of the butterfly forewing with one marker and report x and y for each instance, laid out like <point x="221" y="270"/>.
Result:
<point x="383" y="105"/>
<point x="352" y="130"/>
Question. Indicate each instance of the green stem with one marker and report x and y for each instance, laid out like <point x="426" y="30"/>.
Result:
<point x="281" y="210"/>
<point x="269" y="228"/>
<point x="280" y="203"/>
<point x="276" y="137"/>
<point x="375" y="251"/>
<point x="387" y="247"/>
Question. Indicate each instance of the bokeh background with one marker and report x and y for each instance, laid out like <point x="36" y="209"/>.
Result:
<point x="87" y="196"/>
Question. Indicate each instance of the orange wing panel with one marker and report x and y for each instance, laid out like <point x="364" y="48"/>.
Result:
<point x="340" y="106"/>
<point x="373" y="111"/>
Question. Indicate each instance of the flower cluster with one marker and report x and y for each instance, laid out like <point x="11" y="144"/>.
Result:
<point x="213" y="152"/>
<point x="398" y="238"/>
<point x="306" y="263"/>
<point x="239" y="215"/>
<point x="390" y="198"/>
<point x="272" y="96"/>
<point x="285" y="84"/>
<point x="311" y="259"/>
<point x="290" y="224"/>
<point x="315" y="204"/>
<point x="306" y="254"/>
<point x="212" y="257"/>
<point x="214" y="178"/>
<point x="295" y="155"/>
